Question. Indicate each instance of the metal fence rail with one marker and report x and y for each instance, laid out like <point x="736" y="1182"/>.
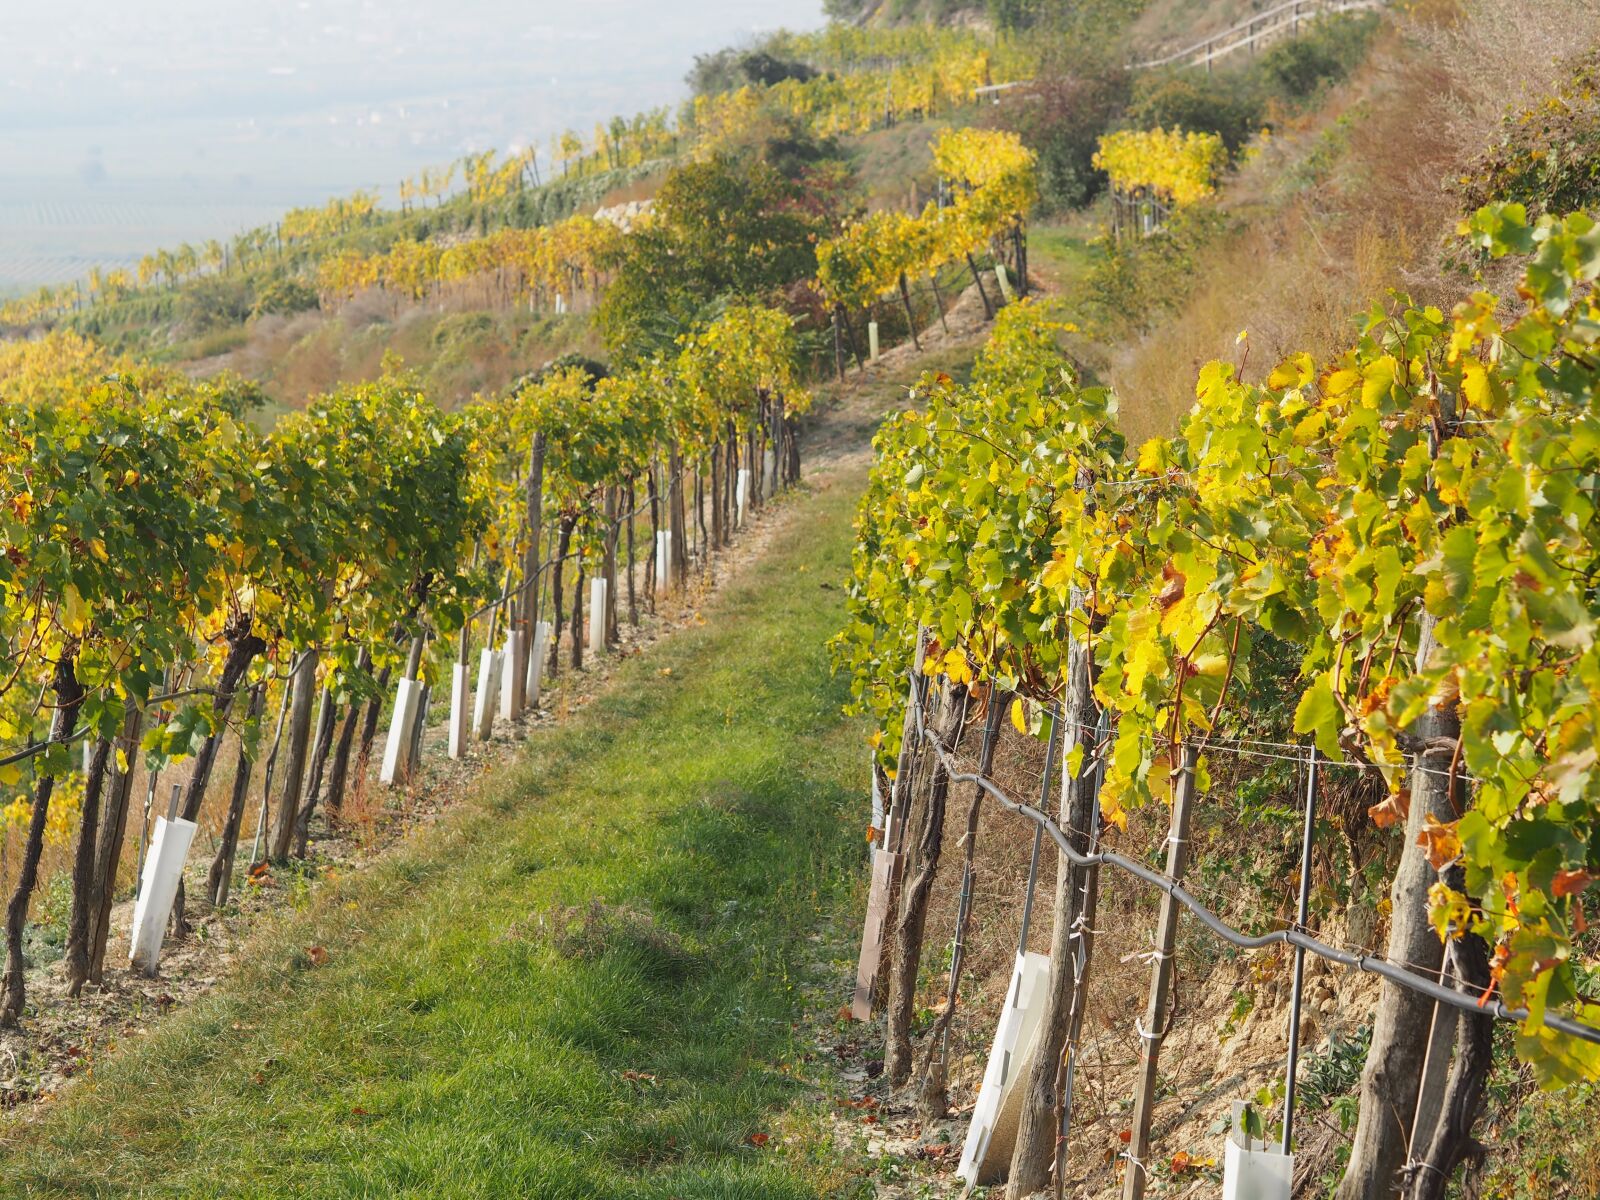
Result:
<point x="1264" y="26"/>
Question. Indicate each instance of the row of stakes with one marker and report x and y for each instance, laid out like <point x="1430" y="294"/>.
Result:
<point x="505" y="689"/>
<point x="1001" y="275"/>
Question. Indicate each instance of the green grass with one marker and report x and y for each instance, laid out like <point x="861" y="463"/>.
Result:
<point x="468" y="1035"/>
<point x="1063" y="252"/>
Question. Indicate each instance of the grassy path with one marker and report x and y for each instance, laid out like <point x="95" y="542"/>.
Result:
<point x="460" y="1021"/>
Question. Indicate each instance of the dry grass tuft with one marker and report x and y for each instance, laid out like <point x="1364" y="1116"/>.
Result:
<point x="1356" y="202"/>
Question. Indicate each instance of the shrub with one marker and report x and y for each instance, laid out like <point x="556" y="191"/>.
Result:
<point x="284" y="298"/>
<point x="1207" y="104"/>
<point x="1061" y="120"/>
<point x="1321" y="56"/>
<point x="1547" y="155"/>
<point x="214" y="302"/>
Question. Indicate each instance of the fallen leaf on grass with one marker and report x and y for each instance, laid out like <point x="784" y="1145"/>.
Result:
<point x="759" y="1140"/>
<point x="318" y="955"/>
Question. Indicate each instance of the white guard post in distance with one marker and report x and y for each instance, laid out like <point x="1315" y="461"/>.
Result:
<point x="487" y="699"/>
<point x="878" y="813"/>
<point x="541" y="644"/>
<point x="993" y="1131"/>
<point x="163" y="867"/>
<point x="511" y="688"/>
<point x="460" y="688"/>
<point x="397" y="750"/>
<point x="663" y="560"/>
<point x="742" y="493"/>
<point x="1003" y="277"/>
<point x="1251" y="1169"/>
<point x="872" y="340"/>
<point x="597" y="615"/>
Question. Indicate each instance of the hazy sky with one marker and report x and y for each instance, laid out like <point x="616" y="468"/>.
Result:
<point x="130" y="123"/>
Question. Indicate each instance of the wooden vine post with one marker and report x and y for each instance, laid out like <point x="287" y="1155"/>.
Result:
<point x="933" y="1102"/>
<point x="108" y="848"/>
<point x="1397" y="1110"/>
<point x="1153" y="1030"/>
<point x="927" y="818"/>
<point x="887" y="859"/>
<point x="304" y="688"/>
<point x="83" y="869"/>
<point x="530" y="557"/>
<point x="221" y="873"/>
<point x="1402" y="1084"/>
<point x="911" y="316"/>
<point x="1037" y="1133"/>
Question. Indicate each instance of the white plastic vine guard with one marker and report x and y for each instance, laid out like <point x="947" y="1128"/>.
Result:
<point x="1251" y="1169"/>
<point x="158" y="887"/>
<point x="597" y="615"/>
<point x="460" y="685"/>
<point x="769" y="463"/>
<point x="1003" y="277"/>
<point x="872" y="340"/>
<point x="1013" y="1048"/>
<point x="541" y="644"/>
<point x="511" y="687"/>
<point x="402" y="724"/>
<point x="878" y="814"/>
<point x="488" y="696"/>
<point x="741" y="493"/>
<point x="663" y="560"/>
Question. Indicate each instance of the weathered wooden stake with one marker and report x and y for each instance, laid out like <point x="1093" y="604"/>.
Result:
<point x="1152" y="1030"/>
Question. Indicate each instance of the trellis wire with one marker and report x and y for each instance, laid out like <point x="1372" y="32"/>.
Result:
<point x="1293" y="937"/>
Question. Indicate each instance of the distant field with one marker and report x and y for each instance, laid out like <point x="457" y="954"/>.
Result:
<point x="50" y="236"/>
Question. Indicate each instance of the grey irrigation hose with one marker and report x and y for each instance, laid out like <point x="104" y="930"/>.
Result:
<point x="1244" y="941"/>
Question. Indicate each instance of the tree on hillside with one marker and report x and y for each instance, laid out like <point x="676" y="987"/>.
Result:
<point x="722" y="229"/>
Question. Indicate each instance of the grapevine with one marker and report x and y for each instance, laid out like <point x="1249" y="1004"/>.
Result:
<point x="1439" y="469"/>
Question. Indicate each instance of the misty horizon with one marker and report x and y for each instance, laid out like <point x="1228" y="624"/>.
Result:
<point x="133" y="129"/>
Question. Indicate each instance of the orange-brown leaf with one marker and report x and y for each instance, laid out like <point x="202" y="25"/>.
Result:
<point x="1440" y="840"/>
<point x="1173" y="592"/>
<point x="1570" y="883"/>
<point x="1392" y="811"/>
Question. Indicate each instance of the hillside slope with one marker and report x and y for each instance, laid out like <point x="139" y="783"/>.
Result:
<point x="580" y="986"/>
